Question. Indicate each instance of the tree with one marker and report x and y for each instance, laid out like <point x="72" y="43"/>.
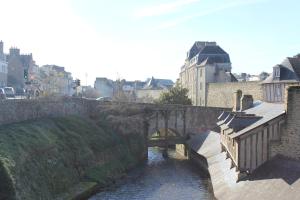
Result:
<point x="175" y="95"/>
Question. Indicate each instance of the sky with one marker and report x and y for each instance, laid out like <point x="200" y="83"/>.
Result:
<point x="137" y="39"/>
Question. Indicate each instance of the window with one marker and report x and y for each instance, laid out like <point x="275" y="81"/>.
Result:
<point x="277" y="90"/>
<point x="276" y="72"/>
<point x="200" y="72"/>
<point x="200" y="86"/>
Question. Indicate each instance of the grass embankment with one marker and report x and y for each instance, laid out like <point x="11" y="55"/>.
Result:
<point x="44" y="159"/>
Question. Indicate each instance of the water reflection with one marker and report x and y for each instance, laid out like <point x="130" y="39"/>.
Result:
<point x="172" y="178"/>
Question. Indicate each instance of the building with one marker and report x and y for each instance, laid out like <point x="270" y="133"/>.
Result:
<point x="153" y="89"/>
<point x="206" y="62"/>
<point x="248" y="131"/>
<point x="127" y="90"/>
<point x="142" y="91"/>
<point x="104" y="86"/>
<point x="3" y="67"/>
<point x="251" y="135"/>
<point x="56" y="81"/>
<point x="18" y="66"/>
<point x="284" y="74"/>
<point x="243" y="77"/>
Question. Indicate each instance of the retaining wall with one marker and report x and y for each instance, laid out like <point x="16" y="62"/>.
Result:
<point x="221" y="94"/>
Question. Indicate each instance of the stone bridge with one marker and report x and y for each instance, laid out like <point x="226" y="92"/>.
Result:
<point x="161" y="125"/>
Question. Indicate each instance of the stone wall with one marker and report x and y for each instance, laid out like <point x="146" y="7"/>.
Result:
<point x="289" y="145"/>
<point x="221" y="94"/>
<point x="21" y="110"/>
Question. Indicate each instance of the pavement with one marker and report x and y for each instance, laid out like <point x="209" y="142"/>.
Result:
<point x="278" y="178"/>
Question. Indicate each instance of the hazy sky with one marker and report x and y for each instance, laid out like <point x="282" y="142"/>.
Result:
<point x="136" y="39"/>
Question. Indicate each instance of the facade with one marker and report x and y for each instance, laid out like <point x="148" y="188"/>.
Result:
<point x="3" y="67"/>
<point x="206" y="62"/>
<point x="254" y="134"/>
<point x="243" y="77"/>
<point x="142" y="91"/>
<point x="56" y="81"/>
<point x="284" y="74"/>
<point x="126" y="90"/>
<point x="104" y="86"/>
<point x="153" y="89"/>
<point x="18" y="65"/>
<point x="246" y="135"/>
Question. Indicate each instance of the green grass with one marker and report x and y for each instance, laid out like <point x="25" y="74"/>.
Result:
<point x="44" y="158"/>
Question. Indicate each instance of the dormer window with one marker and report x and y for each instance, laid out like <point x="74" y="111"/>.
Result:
<point x="276" y="72"/>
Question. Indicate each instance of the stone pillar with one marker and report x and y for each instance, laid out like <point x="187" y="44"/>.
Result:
<point x="166" y="128"/>
<point x="146" y="132"/>
<point x="1" y="47"/>
<point x="237" y="100"/>
<point x="176" y="113"/>
<point x="184" y="122"/>
<point x="156" y="122"/>
<point x="246" y="102"/>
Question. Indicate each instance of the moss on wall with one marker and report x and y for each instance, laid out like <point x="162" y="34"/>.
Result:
<point x="45" y="158"/>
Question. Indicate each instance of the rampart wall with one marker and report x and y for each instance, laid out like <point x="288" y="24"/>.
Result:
<point x="221" y="94"/>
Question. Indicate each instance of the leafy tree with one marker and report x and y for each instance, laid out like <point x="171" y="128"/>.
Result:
<point x="176" y="95"/>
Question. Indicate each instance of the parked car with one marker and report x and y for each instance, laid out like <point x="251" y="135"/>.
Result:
<point x="20" y="91"/>
<point x="9" y="92"/>
<point x="106" y="99"/>
<point x="2" y="94"/>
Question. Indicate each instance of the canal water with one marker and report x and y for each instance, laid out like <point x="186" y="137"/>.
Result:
<point x="161" y="179"/>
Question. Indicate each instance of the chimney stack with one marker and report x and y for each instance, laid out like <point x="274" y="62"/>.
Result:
<point x="236" y="100"/>
<point x="246" y="102"/>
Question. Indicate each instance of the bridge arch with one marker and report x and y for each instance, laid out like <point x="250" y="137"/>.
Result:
<point x="168" y="125"/>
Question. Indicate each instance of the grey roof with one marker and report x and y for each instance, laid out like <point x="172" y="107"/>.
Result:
<point x="238" y="123"/>
<point x="232" y="78"/>
<point x="212" y="58"/>
<point x="265" y="111"/>
<point x="289" y="71"/>
<point x="209" y="52"/>
<point x="154" y="83"/>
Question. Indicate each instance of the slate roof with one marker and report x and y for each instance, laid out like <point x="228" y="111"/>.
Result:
<point x="264" y="112"/>
<point x="158" y="83"/>
<point x="289" y="71"/>
<point x="209" y="51"/>
<point x="204" y="59"/>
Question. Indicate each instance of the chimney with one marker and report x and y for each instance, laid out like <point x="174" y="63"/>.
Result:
<point x="246" y="102"/>
<point x="236" y="100"/>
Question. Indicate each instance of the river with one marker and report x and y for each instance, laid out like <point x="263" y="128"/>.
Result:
<point x="161" y="178"/>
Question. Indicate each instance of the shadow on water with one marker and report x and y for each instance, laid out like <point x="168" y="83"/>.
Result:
<point x="173" y="177"/>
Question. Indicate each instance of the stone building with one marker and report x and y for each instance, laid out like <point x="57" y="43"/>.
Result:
<point x="126" y="90"/>
<point x="284" y="74"/>
<point x="247" y="132"/>
<point x="3" y="67"/>
<point x="18" y="66"/>
<point x="206" y="62"/>
<point x="153" y="89"/>
<point x="104" y="86"/>
<point x="255" y="135"/>
<point x="56" y="81"/>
